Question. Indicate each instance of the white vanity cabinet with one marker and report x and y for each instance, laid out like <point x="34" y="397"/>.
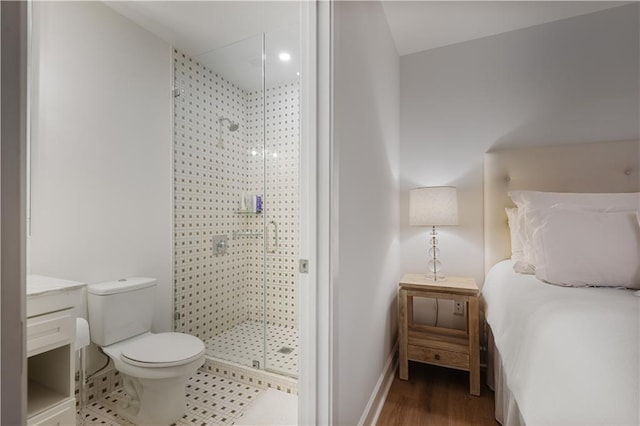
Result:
<point x="51" y="330"/>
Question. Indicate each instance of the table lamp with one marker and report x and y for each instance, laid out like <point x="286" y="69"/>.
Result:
<point x="433" y="206"/>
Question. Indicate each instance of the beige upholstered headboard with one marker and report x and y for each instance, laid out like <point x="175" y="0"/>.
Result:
<point x="593" y="167"/>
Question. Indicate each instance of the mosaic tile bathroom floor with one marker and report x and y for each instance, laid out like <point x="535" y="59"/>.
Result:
<point x="243" y="344"/>
<point x="211" y="400"/>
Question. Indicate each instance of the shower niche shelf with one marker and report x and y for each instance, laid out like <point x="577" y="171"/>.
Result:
<point x="238" y="234"/>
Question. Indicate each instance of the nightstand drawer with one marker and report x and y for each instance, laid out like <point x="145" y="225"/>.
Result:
<point x="438" y="357"/>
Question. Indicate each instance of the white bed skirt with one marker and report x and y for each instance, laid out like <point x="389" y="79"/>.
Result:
<point x="507" y="412"/>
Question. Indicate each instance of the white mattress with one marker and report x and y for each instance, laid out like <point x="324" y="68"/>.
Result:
<point x="571" y="356"/>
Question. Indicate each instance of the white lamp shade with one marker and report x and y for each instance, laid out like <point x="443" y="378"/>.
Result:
<point x="433" y="206"/>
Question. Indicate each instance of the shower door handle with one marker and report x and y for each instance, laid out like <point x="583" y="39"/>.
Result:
<point x="273" y="248"/>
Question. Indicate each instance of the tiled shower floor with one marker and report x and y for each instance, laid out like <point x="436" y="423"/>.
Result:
<point x="211" y="400"/>
<point x="243" y="344"/>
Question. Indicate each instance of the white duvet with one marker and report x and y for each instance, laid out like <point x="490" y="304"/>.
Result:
<point x="571" y="355"/>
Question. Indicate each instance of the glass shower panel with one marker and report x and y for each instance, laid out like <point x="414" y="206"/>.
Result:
<point x="219" y="177"/>
<point x="281" y="168"/>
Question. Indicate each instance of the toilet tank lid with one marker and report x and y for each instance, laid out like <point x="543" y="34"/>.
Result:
<point x="122" y="285"/>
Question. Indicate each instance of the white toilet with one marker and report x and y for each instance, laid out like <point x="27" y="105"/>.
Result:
<point x="154" y="367"/>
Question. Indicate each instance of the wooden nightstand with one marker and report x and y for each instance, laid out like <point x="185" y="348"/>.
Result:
<point x="458" y="349"/>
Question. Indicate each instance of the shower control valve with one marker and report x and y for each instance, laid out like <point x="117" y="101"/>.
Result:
<point x="220" y="244"/>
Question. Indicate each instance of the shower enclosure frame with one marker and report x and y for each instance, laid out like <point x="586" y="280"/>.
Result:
<point x="318" y="230"/>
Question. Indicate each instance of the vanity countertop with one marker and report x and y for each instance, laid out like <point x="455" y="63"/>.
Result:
<point x="38" y="285"/>
<point x="46" y="294"/>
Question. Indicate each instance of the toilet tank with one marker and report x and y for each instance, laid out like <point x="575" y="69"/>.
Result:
<point x="120" y="309"/>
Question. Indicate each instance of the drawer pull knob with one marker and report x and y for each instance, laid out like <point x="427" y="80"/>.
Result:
<point x="437" y="357"/>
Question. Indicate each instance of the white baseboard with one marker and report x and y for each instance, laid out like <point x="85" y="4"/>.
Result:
<point x="378" y="397"/>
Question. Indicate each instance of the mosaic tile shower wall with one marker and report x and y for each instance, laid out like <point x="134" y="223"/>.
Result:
<point x="210" y="291"/>
<point x="214" y="293"/>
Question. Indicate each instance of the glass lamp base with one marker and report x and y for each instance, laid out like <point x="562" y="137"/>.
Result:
<point x="435" y="270"/>
<point x="436" y="277"/>
<point x="434" y="266"/>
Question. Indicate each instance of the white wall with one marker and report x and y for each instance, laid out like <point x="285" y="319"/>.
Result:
<point x="569" y="81"/>
<point x="366" y="138"/>
<point x="101" y="149"/>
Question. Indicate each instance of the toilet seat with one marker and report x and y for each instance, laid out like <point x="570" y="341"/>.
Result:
<point x="162" y="350"/>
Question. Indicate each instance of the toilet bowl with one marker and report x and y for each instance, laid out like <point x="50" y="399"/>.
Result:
<point x="155" y="367"/>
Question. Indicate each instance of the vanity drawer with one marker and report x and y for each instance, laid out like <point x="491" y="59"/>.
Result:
<point x="438" y="357"/>
<point x="60" y="415"/>
<point x="50" y="331"/>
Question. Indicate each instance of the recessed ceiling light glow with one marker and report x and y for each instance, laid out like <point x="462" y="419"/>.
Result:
<point x="284" y="57"/>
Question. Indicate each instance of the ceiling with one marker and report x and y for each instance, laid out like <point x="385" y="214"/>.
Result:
<point x="225" y="35"/>
<point x="422" y="25"/>
<point x="201" y="26"/>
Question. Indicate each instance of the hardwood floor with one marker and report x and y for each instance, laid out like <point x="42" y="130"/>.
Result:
<point x="437" y="396"/>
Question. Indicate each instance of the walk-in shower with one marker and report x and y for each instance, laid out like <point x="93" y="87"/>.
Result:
<point x="236" y="201"/>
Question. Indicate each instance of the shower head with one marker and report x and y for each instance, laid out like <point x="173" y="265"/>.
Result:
<point x="232" y="126"/>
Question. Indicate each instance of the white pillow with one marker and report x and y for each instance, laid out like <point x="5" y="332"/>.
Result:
<point x="527" y="201"/>
<point x="585" y="248"/>
<point x="516" y="228"/>
<point x="516" y="240"/>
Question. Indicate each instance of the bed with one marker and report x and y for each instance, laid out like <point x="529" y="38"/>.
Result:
<point x="558" y="355"/>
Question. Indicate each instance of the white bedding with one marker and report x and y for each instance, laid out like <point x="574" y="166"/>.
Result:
<point x="571" y="355"/>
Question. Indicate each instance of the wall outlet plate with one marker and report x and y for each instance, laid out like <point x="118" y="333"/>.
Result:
<point x="458" y="308"/>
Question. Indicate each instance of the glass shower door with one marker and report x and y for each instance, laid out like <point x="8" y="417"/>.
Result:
<point x="281" y="168"/>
